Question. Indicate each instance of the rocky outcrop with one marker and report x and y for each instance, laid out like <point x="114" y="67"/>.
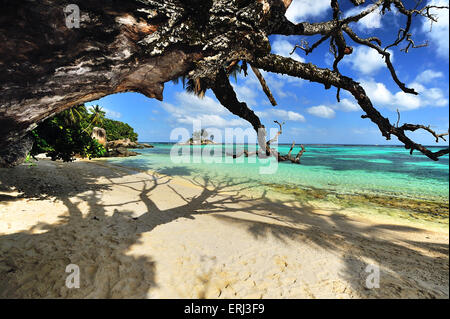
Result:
<point x="127" y="143"/>
<point x="120" y="148"/>
<point x="120" y="152"/>
<point x="145" y="145"/>
<point x="16" y="152"/>
<point x="198" y="142"/>
<point x="100" y="135"/>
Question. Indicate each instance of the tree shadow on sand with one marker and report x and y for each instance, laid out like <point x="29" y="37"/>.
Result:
<point x="33" y="262"/>
<point x="97" y="237"/>
<point x="408" y="269"/>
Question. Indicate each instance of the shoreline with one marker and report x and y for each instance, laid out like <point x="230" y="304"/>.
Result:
<point x="411" y="210"/>
<point x="138" y="234"/>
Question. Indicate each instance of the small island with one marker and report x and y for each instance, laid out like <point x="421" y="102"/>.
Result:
<point x="200" y="138"/>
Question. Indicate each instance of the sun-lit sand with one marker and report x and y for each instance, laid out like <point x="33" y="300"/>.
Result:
<point x="137" y="234"/>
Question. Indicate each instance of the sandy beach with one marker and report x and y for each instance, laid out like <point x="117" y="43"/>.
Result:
<point x="138" y="234"/>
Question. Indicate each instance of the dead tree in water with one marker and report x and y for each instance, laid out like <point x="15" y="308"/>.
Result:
<point x="272" y="152"/>
<point x="49" y="63"/>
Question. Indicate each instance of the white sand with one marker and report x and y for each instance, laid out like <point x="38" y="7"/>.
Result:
<point x="142" y="235"/>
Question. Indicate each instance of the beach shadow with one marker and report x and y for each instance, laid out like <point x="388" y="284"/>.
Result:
<point x="405" y="265"/>
<point x="33" y="264"/>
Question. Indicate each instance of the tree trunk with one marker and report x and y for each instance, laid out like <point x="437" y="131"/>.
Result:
<point x="51" y="61"/>
<point x="47" y="66"/>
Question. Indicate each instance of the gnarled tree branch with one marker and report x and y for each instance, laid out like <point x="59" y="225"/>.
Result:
<point x="307" y="71"/>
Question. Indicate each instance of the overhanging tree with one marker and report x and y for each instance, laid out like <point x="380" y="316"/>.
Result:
<point x="138" y="45"/>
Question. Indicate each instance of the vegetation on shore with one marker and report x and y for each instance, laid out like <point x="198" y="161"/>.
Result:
<point x="68" y="134"/>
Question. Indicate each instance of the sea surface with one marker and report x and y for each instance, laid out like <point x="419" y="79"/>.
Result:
<point x="380" y="171"/>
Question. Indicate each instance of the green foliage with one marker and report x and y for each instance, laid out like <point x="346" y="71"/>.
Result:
<point x="29" y="160"/>
<point x="68" y="134"/>
<point x="116" y="130"/>
<point x="97" y="115"/>
<point x="62" y="138"/>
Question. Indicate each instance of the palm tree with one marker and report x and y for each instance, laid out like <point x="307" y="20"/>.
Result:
<point x="97" y="115"/>
<point x="74" y="114"/>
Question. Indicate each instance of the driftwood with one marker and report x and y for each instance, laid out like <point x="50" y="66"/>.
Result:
<point x="272" y="152"/>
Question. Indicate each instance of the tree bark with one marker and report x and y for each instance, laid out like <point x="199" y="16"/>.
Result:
<point x="47" y="65"/>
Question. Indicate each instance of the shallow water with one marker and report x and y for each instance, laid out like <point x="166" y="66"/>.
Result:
<point x="386" y="177"/>
<point x="344" y="169"/>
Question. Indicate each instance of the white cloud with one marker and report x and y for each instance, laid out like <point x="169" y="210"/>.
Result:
<point x="212" y="120"/>
<point x="328" y="111"/>
<point x="290" y="115"/>
<point x="380" y="95"/>
<point x="245" y="94"/>
<point x="279" y="114"/>
<point x="377" y="92"/>
<point x="439" y="34"/>
<point x="210" y="112"/>
<point x="430" y="96"/>
<point x="112" y="114"/>
<point x="189" y="104"/>
<point x="284" y="48"/>
<point x="366" y="60"/>
<point x="348" y="106"/>
<point x="322" y="111"/>
<point x="370" y="21"/>
<point x="248" y="89"/>
<point x="428" y="76"/>
<point x="405" y="101"/>
<point x="301" y="9"/>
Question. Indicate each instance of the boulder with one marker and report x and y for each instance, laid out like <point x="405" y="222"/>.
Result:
<point x="122" y="143"/>
<point x="99" y="134"/>
<point x="127" y="143"/>
<point x="145" y="145"/>
<point x="16" y="152"/>
<point x="120" y="152"/>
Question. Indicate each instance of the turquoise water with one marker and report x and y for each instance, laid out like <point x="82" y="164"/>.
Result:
<point x="384" y="170"/>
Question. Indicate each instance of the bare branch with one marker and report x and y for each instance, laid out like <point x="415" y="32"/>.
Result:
<point x="412" y="44"/>
<point x="300" y="153"/>
<point x="264" y="86"/>
<point x="307" y="71"/>
<point x="227" y="97"/>
<point x="305" y="46"/>
<point x="414" y="127"/>
<point x="280" y="131"/>
<point x="385" y="54"/>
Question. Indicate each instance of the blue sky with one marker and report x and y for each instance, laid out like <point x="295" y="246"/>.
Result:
<point x="311" y="113"/>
